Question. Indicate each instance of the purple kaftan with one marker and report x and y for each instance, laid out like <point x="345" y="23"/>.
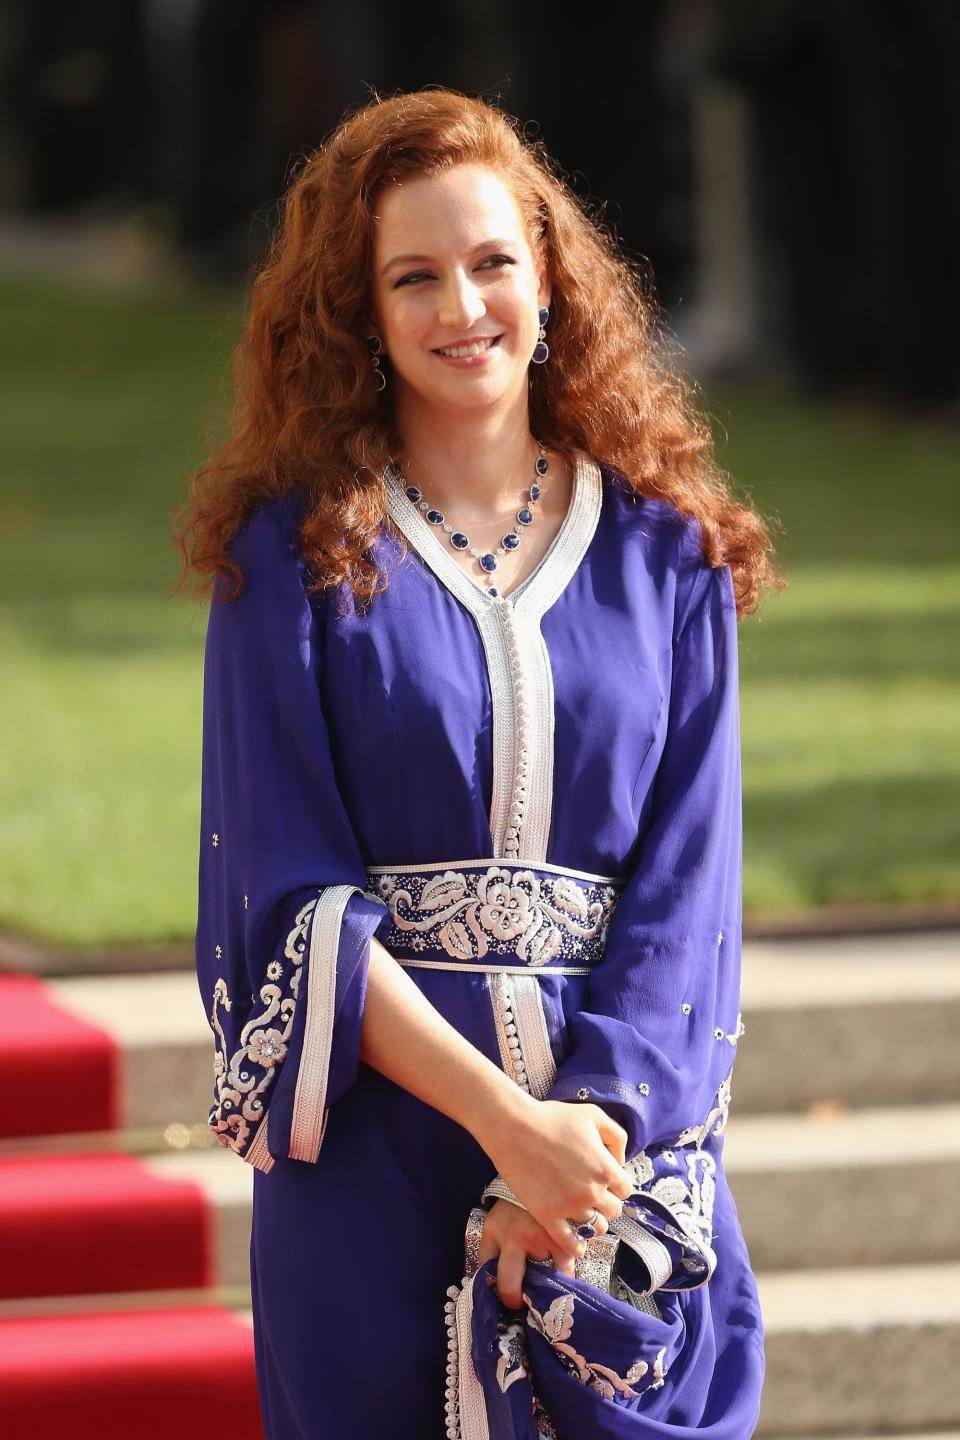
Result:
<point x="534" y="802"/>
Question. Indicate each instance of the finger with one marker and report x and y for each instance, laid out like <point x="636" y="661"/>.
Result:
<point x="510" y="1273"/>
<point x="610" y="1206"/>
<point x="565" y="1265"/>
<point x="537" y="1244"/>
<point x="613" y="1135"/>
<point x="600" y="1222"/>
<point x="565" y="1241"/>
<point x="489" y="1248"/>
<point x="622" y="1183"/>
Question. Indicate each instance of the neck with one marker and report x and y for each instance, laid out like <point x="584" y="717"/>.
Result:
<point x="475" y="464"/>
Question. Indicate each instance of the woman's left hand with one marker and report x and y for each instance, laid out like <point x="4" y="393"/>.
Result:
<point x="514" y="1235"/>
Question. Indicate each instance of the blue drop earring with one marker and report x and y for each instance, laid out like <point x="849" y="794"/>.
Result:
<point x="542" y="349"/>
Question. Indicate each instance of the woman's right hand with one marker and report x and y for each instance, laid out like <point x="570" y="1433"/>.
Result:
<point x="562" y="1160"/>
<point x="512" y="1237"/>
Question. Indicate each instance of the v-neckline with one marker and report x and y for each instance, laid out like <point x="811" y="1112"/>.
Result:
<point x="552" y="572"/>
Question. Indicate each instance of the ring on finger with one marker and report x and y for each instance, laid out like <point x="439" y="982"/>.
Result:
<point x="585" y="1229"/>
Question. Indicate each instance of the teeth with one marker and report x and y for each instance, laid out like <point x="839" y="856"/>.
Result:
<point x="461" y="351"/>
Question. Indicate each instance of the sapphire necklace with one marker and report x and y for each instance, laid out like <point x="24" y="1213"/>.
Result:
<point x="460" y="541"/>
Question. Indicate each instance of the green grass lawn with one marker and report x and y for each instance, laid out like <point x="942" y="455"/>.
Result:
<point x="849" y="679"/>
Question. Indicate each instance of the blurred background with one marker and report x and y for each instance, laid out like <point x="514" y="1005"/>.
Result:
<point x="790" y="172"/>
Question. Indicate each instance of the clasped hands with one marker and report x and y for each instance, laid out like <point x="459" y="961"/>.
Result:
<point x="563" y="1162"/>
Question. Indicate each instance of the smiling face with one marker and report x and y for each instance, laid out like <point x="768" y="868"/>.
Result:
<point x="453" y="269"/>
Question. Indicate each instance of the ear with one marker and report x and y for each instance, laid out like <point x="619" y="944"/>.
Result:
<point x="545" y="291"/>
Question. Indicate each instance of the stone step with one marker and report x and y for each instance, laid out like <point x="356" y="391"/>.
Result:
<point x="831" y="1187"/>
<point x="869" y="1348"/>
<point x="869" y="1021"/>
<point x="164" y="1043"/>
<point x="228" y="1184"/>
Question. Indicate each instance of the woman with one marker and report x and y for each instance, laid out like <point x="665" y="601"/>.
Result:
<point x="469" y="920"/>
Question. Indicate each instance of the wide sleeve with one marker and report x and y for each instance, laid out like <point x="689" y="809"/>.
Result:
<point x="655" y="1041"/>
<point x="283" y="925"/>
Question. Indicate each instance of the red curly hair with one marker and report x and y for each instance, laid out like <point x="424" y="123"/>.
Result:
<point x="306" y="411"/>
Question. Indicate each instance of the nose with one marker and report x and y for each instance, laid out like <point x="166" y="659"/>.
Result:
<point x="460" y="302"/>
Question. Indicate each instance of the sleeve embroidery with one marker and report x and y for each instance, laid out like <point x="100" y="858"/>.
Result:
<point x="241" y="1082"/>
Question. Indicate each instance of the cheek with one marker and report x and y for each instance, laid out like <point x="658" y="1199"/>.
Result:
<point x="520" y="304"/>
<point x="408" y="320"/>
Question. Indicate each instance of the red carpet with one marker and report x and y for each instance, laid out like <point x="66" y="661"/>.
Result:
<point x="60" y="1074"/>
<point x="137" y="1375"/>
<point x="87" y="1224"/>
<point x="98" y="1223"/>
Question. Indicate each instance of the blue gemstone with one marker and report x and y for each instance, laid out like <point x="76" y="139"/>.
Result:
<point x="543" y="314"/>
<point x="488" y="561"/>
<point x="511" y="541"/>
<point x="374" y="344"/>
<point x="542" y="465"/>
<point x="459" y="539"/>
<point x="414" y="494"/>
<point x="525" y="516"/>
<point x="435" y="517"/>
<point x="492" y="590"/>
<point x="534" y="491"/>
<point x="540" y="353"/>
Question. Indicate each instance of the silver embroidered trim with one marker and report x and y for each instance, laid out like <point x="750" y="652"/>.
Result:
<point x="258" y="1153"/>
<point x="593" y="1269"/>
<point x="620" y="1290"/>
<point x="532" y="1035"/>
<point x="466" y="1408"/>
<point x="654" y="1255"/>
<point x="487" y="860"/>
<point x="309" y="1108"/>
<point x="243" y="1081"/>
<point x="518" y="662"/>
<point x="498" y="1189"/>
<point x="544" y="585"/>
<point x="514" y="744"/>
<point x="481" y="969"/>
<point x="470" y="914"/>
<point x="501" y="999"/>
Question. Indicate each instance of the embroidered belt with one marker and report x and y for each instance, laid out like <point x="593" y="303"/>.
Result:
<point x="484" y="915"/>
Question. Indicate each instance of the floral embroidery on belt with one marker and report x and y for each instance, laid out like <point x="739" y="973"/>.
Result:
<point x="470" y="914"/>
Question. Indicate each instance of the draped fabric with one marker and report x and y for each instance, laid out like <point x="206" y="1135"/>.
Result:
<point x="533" y="801"/>
<point x="283" y="929"/>
<point x="653" y="1042"/>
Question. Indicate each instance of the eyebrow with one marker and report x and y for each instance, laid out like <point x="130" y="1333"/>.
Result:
<point x="498" y="242"/>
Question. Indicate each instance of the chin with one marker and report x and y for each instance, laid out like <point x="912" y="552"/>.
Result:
<point x="470" y="396"/>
